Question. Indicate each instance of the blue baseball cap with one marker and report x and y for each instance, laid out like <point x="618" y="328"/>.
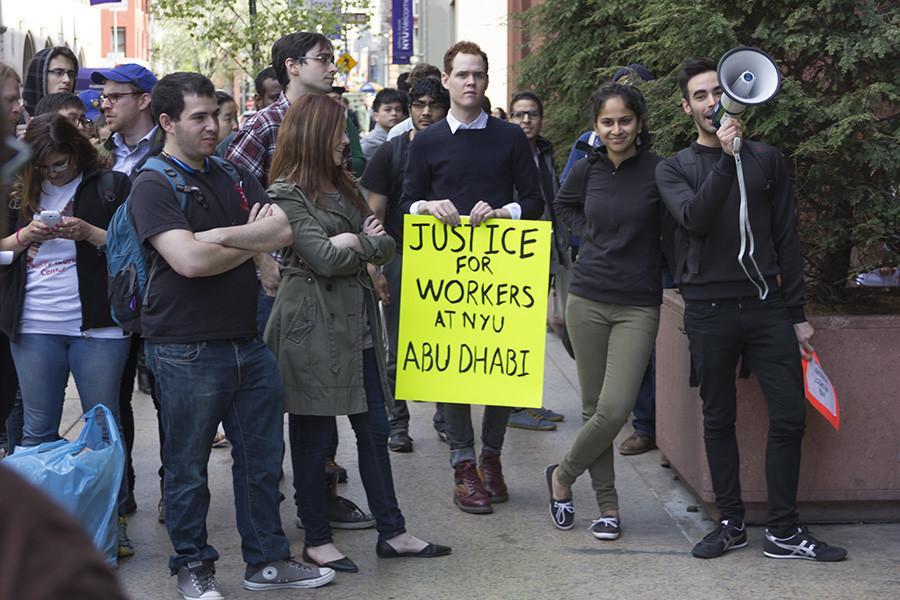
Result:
<point x="91" y="101"/>
<point x="131" y="73"/>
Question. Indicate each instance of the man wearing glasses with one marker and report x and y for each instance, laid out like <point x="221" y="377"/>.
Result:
<point x="304" y="64"/>
<point x="125" y="103"/>
<point x="50" y="71"/>
<point x="68" y="105"/>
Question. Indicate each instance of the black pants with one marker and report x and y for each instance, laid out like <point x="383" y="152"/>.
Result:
<point x="720" y="333"/>
<point x="126" y="412"/>
<point x="9" y="382"/>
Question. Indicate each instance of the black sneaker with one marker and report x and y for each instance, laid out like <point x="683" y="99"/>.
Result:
<point x="801" y="545"/>
<point x="727" y="536"/>
<point x="562" y="512"/>
<point x="605" y="528"/>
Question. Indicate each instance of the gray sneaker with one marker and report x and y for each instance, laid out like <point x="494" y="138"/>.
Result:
<point x="197" y="581"/>
<point x="284" y="574"/>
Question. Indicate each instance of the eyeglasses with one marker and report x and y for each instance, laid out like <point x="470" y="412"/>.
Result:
<point x="114" y="98"/>
<point x="83" y="121"/>
<point x="521" y="114"/>
<point x="61" y="72"/>
<point x="325" y="59"/>
<point x="419" y="105"/>
<point x="56" y="168"/>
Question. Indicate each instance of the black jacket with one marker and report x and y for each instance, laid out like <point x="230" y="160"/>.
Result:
<point x="616" y="213"/>
<point x="96" y="199"/>
<point x="706" y="205"/>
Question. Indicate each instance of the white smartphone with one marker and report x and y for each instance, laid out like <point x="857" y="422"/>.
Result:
<point x="51" y="218"/>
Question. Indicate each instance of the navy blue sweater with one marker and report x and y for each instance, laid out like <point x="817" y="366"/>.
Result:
<point x="472" y="165"/>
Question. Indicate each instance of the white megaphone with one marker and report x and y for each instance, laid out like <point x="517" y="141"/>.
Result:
<point x="748" y="76"/>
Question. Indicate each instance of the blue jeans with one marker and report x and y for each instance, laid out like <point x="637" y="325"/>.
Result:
<point x="311" y="438"/>
<point x="264" y="304"/>
<point x="461" y="436"/>
<point x="43" y="363"/>
<point x="644" y="421"/>
<point x="199" y="385"/>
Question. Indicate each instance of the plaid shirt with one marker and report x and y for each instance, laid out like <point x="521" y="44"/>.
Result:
<point x="254" y="145"/>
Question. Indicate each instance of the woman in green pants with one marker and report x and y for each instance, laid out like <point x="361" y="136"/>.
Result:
<point x="611" y="202"/>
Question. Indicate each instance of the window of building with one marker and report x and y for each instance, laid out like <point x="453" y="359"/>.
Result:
<point x="117" y="43"/>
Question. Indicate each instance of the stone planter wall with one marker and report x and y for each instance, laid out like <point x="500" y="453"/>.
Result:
<point x="847" y="475"/>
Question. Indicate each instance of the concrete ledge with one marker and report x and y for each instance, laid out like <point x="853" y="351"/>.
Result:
<point x="847" y="475"/>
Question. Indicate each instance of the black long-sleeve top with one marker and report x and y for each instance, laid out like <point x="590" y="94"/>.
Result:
<point x="711" y="215"/>
<point x="472" y="165"/>
<point x="617" y="217"/>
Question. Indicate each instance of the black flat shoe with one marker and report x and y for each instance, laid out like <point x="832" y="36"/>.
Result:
<point x="562" y="512"/>
<point x="344" y="565"/>
<point x="385" y="550"/>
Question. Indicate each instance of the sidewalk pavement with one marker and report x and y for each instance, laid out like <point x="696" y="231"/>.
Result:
<point x="515" y="552"/>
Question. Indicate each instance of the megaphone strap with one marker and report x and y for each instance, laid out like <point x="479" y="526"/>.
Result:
<point x="747" y="238"/>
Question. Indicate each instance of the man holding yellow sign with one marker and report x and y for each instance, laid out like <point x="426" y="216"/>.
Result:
<point x="470" y="286"/>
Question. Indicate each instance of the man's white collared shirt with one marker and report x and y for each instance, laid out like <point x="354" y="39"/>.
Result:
<point x="127" y="158"/>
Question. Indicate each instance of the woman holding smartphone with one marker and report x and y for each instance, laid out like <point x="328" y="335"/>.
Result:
<point x="325" y="329"/>
<point x="53" y="301"/>
<point x="611" y="202"/>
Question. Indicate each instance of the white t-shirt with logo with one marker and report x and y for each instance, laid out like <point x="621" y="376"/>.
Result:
<point x="52" y="304"/>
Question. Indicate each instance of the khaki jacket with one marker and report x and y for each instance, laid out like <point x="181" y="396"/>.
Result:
<point x="324" y="304"/>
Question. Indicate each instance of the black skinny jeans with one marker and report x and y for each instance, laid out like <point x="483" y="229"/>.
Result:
<point x="761" y="331"/>
<point x="311" y="440"/>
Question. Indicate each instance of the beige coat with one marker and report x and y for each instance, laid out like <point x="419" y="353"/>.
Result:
<point x="324" y="306"/>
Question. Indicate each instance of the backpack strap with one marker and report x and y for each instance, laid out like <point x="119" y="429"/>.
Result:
<point x="687" y="161"/>
<point x="106" y="191"/>
<point x="229" y="169"/>
<point x="173" y="176"/>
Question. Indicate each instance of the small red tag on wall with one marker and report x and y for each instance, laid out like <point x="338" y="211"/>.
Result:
<point x="819" y="391"/>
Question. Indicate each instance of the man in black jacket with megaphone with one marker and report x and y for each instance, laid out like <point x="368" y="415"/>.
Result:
<point x="743" y="292"/>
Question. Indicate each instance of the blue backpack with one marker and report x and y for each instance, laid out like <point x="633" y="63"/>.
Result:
<point x="127" y="259"/>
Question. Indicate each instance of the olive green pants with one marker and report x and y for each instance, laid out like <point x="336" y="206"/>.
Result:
<point x="612" y="344"/>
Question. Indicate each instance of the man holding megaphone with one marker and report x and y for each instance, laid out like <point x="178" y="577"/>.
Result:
<point x="739" y="267"/>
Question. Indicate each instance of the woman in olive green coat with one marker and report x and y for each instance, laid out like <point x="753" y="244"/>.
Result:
<point x="325" y="329"/>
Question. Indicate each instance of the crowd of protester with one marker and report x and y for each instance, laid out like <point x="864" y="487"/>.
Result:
<point x="297" y="219"/>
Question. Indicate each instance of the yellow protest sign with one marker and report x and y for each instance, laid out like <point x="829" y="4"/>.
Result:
<point x="473" y="312"/>
<point x="346" y="62"/>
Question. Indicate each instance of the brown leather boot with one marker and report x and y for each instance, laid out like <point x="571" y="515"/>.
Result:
<point x="492" y="478"/>
<point x="468" y="494"/>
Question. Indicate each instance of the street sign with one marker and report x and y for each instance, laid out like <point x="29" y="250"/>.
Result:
<point x="355" y="18"/>
<point x="346" y="62"/>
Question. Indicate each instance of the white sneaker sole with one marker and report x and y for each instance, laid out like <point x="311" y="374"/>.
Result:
<point x="205" y="596"/>
<point x="606" y="536"/>
<point x="293" y="585"/>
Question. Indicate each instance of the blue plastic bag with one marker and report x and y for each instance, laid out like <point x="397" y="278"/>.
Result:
<point x="83" y="476"/>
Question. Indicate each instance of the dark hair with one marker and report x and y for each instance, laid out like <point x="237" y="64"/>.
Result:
<point x="56" y="102"/>
<point x="63" y="51"/>
<point x="633" y="99"/>
<point x="486" y="105"/>
<point x="429" y="86"/>
<point x="403" y="81"/>
<point x="260" y="79"/>
<point x="463" y="48"/>
<point x="45" y="134"/>
<point x="222" y="97"/>
<point x="294" y="45"/>
<point x="691" y="68"/>
<point x="421" y="71"/>
<point x="527" y="96"/>
<point x="389" y="96"/>
<point x="169" y="92"/>
<point x="304" y="155"/>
